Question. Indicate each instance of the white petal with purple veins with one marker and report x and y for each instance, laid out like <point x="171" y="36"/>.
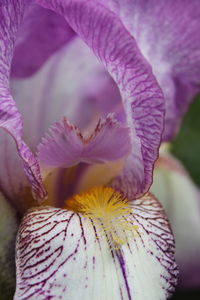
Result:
<point x="60" y="257"/>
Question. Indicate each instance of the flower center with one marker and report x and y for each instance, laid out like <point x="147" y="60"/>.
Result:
<point x="108" y="210"/>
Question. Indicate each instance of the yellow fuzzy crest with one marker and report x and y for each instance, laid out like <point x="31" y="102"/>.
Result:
<point x="109" y="211"/>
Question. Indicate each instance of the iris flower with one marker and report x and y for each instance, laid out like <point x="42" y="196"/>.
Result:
<point x="93" y="230"/>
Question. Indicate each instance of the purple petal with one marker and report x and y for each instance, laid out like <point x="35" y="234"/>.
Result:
<point x="167" y="33"/>
<point x="181" y="200"/>
<point x="10" y="119"/>
<point x="41" y="34"/>
<point x="60" y="257"/>
<point x="116" y="48"/>
<point x="66" y="146"/>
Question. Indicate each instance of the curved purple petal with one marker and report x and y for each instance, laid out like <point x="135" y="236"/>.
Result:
<point x="10" y="119"/>
<point x="59" y="256"/>
<point x="116" y="48"/>
<point x="167" y="33"/>
<point x="41" y="34"/>
<point x="65" y="146"/>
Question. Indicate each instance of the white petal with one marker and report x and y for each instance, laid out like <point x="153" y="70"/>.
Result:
<point x="181" y="200"/>
<point x="60" y="257"/>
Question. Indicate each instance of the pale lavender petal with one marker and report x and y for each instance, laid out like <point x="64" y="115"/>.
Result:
<point x="11" y="13"/>
<point x="167" y="33"/>
<point x="181" y="200"/>
<point x="73" y="83"/>
<point x="65" y="146"/>
<point x="59" y="257"/>
<point x="41" y="34"/>
<point x="116" y="48"/>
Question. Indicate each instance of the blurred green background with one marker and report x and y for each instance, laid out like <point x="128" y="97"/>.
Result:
<point x="186" y="146"/>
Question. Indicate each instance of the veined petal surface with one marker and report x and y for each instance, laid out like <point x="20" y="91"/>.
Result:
<point x="167" y="33"/>
<point x="181" y="200"/>
<point x="11" y="13"/>
<point x="65" y="146"/>
<point x="60" y="257"/>
<point x="143" y="100"/>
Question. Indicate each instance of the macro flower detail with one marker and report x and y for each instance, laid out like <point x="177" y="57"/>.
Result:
<point x="51" y="242"/>
<point x="108" y="210"/>
<point x="91" y="107"/>
<point x="100" y="215"/>
<point x="66" y="146"/>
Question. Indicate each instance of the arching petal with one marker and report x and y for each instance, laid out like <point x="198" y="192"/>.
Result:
<point x="41" y="34"/>
<point x="116" y="48"/>
<point x="65" y="146"/>
<point x="59" y="256"/>
<point x="11" y="13"/>
<point x="181" y="200"/>
<point x="167" y="33"/>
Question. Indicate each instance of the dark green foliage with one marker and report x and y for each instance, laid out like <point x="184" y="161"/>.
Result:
<point x="186" y="146"/>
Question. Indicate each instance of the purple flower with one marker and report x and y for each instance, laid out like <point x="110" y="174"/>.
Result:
<point x="93" y="167"/>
